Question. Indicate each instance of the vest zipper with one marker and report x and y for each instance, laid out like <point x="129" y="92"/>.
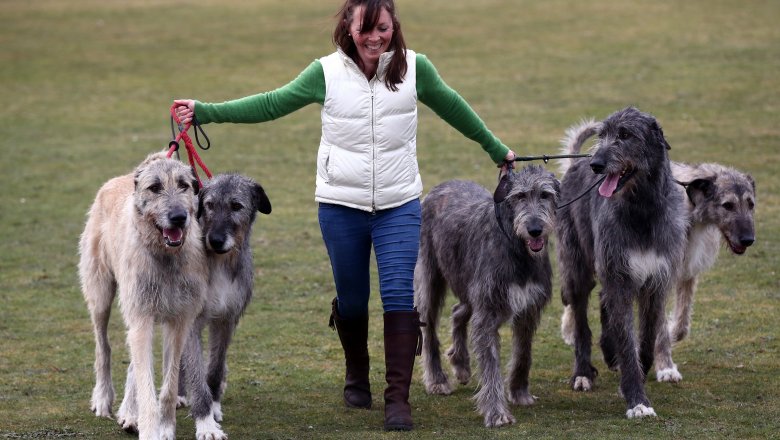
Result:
<point x="373" y="150"/>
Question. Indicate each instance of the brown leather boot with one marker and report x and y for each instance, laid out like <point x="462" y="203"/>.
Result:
<point x="403" y="339"/>
<point x="353" y="334"/>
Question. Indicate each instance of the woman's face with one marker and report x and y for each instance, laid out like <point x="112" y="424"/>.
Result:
<point x="373" y="43"/>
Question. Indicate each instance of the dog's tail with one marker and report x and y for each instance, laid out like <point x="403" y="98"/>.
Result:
<point x="576" y="135"/>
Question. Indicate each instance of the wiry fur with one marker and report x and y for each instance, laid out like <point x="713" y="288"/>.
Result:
<point x="496" y="274"/>
<point x="227" y="209"/>
<point x="719" y="202"/>
<point x="141" y="239"/>
<point x="632" y="237"/>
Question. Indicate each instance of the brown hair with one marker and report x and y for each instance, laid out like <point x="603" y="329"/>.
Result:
<point x="396" y="70"/>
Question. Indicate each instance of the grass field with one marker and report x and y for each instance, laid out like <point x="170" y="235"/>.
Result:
<point x="86" y="87"/>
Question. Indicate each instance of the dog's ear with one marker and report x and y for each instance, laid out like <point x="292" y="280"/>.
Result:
<point x="503" y="188"/>
<point x="699" y="190"/>
<point x="261" y="199"/>
<point x="195" y="182"/>
<point x="659" y="135"/>
<point x="752" y="182"/>
<point x="201" y="196"/>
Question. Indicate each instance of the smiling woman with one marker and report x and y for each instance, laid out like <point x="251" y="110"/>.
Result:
<point x="368" y="183"/>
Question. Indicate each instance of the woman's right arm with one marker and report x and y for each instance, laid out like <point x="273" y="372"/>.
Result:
<point x="307" y="88"/>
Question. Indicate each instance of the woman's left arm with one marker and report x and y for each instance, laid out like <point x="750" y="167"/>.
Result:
<point x="450" y="106"/>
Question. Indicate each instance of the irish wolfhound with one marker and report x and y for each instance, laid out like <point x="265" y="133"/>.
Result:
<point x="227" y="209"/>
<point x="631" y="234"/>
<point x="492" y="254"/>
<point x="719" y="203"/>
<point x="141" y="239"/>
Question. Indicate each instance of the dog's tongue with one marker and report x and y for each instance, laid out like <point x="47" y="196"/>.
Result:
<point x="607" y="187"/>
<point x="536" y="244"/>
<point x="173" y="235"/>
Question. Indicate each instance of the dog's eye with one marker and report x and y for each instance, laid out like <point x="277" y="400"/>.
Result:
<point x="728" y="206"/>
<point x="545" y="196"/>
<point x="235" y="206"/>
<point x="184" y="185"/>
<point x="751" y="204"/>
<point x="624" y="134"/>
<point x="155" y="188"/>
<point x="209" y="206"/>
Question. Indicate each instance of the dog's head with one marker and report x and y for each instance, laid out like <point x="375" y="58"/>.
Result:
<point x="725" y="197"/>
<point x="226" y="210"/>
<point x="525" y="202"/>
<point x="165" y="197"/>
<point x="631" y="145"/>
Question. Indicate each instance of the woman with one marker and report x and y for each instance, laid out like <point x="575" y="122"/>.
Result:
<point x="368" y="184"/>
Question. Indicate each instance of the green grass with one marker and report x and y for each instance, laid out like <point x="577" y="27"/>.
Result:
<point x="86" y="87"/>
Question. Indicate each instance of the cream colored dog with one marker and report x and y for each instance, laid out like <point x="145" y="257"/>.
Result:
<point x="142" y="240"/>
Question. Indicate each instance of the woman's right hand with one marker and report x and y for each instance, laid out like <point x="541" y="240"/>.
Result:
<point x="185" y="109"/>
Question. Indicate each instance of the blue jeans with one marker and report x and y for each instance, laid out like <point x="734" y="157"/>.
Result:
<point x="395" y="235"/>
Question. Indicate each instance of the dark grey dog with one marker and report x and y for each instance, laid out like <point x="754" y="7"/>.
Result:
<point x="719" y="202"/>
<point x="226" y="211"/>
<point x="492" y="254"/>
<point x="632" y="235"/>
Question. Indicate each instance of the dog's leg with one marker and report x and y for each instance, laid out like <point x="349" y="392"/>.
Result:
<point x="140" y="339"/>
<point x="683" y="309"/>
<point x="584" y="372"/>
<point x="220" y="336"/>
<point x="459" y="351"/>
<point x="430" y="291"/>
<point x="174" y="336"/>
<point x="127" y="416"/>
<point x="491" y="398"/>
<point x="206" y="427"/>
<point x="608" y="347"/>
<point x="621" y="328"/>
<point x="100" y="311"/>
<point x="665" y="368"/>
<point x="523" y="328"/>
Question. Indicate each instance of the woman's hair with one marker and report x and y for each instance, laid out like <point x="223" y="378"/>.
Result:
<point x="396" y="70"/>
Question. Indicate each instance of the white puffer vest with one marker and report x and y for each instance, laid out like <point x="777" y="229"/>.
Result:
<point x="368" y="150"/>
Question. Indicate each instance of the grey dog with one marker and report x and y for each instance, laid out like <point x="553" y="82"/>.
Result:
<point x="632" y="235"/>
<point x="492" y="253"/>
<point x="719" y="202"/>
<point x="226" y="212"/>
<point x="142" y="241"/>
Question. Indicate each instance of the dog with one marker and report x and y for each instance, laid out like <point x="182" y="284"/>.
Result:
<point x="719" y="202"/>
<point x="492" y="253"/>
<point x="631" y="234"/>
<point x="227" y="208"/>
<point x="142" y="241"/>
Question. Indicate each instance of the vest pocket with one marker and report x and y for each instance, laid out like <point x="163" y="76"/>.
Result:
<point x="324" y="166"/>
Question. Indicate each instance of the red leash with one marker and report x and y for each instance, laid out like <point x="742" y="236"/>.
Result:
<point x="192" y="153"/>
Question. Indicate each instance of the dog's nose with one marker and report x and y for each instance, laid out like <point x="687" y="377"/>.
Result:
<point x="216" y="241"/>
<point x="746" y="241"/>
<point x="535" y="229"/>
<point x="597" y="166"/>
<point x="178" y="217"/>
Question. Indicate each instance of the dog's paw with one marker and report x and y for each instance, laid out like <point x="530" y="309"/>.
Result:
<point x="669" y="375"/>
<point x="463" y="375"/>
<point x="640" y="411"/>
<point x="216" y="409"/>
<point x="128" y="422"/>
<point x="182" y="402"/>
<point x="567" y="326"/>
<point x="208" y="429"/>
<point x="498" y="418"/>
<point x="443" y="389"/>
<point x="101" y="408"/>
<point x="522" y="398"/>
<point x="581" y="383"/>
<point x="168" y="431"/>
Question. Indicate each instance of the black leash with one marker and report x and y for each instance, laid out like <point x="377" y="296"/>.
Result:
<point x="546" y="158"/>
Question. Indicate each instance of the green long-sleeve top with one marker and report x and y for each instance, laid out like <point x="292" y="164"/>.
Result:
<point x="309" y="87"/>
